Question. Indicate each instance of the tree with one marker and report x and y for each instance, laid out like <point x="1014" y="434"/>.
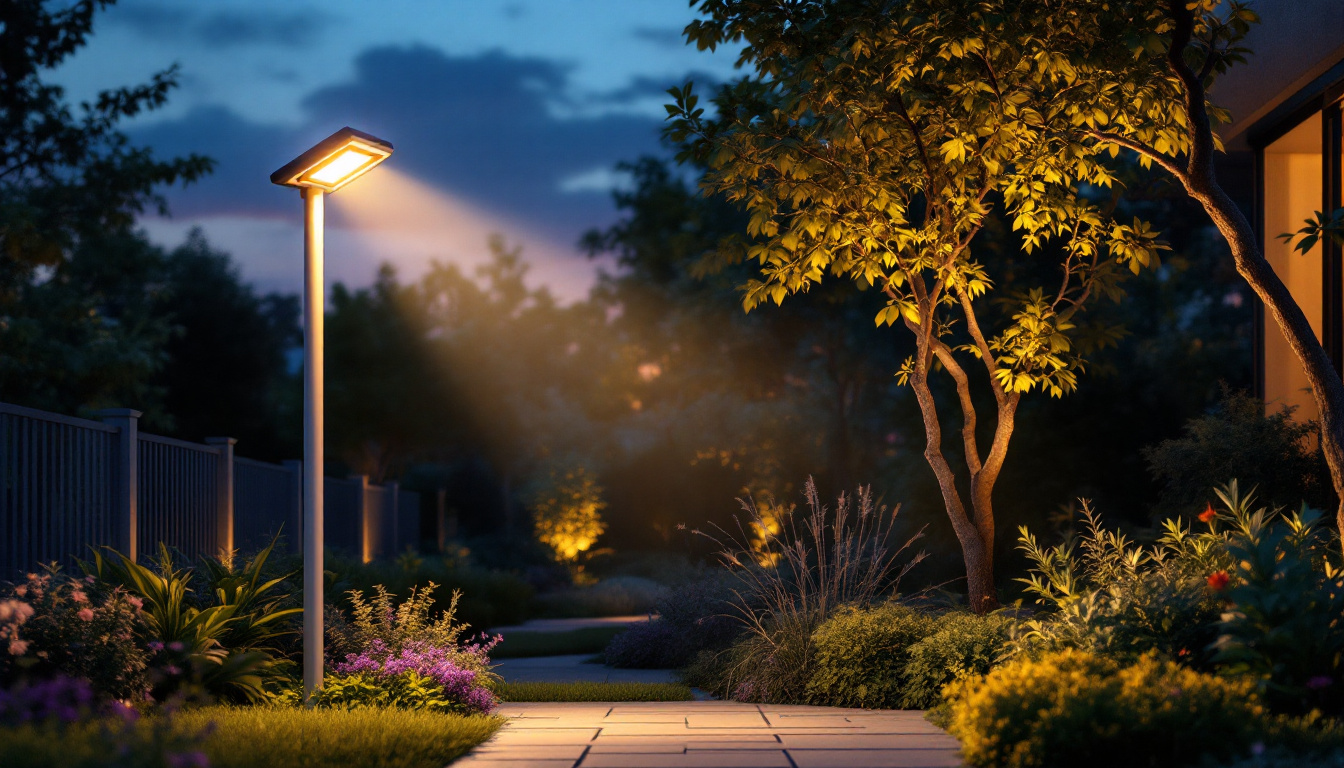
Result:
<point x="70" y="188"/>
<point x="874" y="143"/>
<point x="567" y="514"/>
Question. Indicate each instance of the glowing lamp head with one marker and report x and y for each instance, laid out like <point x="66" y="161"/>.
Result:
<point x="334" y="162"/>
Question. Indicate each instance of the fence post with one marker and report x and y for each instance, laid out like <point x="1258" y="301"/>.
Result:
<point x="126" y="527"/>
<point x="295" y="468"/>
<point x="224" y="478"/>
<point x="365" y="540"/>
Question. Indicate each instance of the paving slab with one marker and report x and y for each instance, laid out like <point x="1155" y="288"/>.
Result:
<point x="711" y="734"/>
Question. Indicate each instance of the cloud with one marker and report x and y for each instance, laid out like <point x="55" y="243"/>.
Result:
<point x="477" y="129"/>
<point x="293" y="28"/>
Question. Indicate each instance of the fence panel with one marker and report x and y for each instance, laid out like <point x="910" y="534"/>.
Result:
<point x="343" y="527"/>
<point x="179" y="496"/>
<point x="408" y="521"/>
<point x="265" y="503"/>
<point x="58" y="488"/>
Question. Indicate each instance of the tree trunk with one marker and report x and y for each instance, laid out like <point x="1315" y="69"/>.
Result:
<point x="1326" y="387"/>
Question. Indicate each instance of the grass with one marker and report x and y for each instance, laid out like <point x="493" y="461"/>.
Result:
<point x="246" y="737"/>
<point x="594" y="692"/>
<point x="517" y="645"/>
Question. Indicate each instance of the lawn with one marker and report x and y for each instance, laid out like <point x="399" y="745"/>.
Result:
<point x="245" y="737"/>
<point x="586" y="640"/>
<point x="586" y="691"/>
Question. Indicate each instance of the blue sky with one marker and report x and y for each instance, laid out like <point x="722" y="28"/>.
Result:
<point x="508" y="116"/>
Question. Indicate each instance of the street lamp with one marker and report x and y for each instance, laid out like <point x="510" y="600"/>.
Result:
<point x="334" y="162"/>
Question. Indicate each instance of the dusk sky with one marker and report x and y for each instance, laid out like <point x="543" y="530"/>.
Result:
<point x="508" y="116"/>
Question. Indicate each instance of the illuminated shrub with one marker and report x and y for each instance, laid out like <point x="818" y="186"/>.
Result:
<point x="1073" y="708"/>
<point x="567" y="514"/>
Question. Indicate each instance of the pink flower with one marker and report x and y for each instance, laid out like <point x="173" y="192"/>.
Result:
<point x="176" y="645"/>
<point x="135" y="602"/>
<point x="1218" y="581"/>
<point x="90" y="579"/>
<point x="18" y="647"/>
<point x="173" y="669"/>
<point x="79" y="597"/>
<point x="86" y="614"/>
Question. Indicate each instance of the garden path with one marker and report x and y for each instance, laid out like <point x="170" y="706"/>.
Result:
<point x="576" y="668"/>
<point x="711" y="734"/>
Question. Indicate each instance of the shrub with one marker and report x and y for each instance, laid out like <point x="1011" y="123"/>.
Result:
<point x="54" y="625"/>
<point x="694" y="617"/>
<point x="1285" y="622"/>
<point x="567" y="513"/>
<point x="962" y="645"/>
<point x="861" y="654"/>
<point x="185" y="633"/>
<point x="617" y="596"/>
<point x="382" y="627"/>
<point x="897" y="657"/>
<point x="1241" y="438"/>
<point x="490" y="598"/>
<point x="1073" y="708"/>
<point x="1123" y="600"/>
<point x="795" y="571"/>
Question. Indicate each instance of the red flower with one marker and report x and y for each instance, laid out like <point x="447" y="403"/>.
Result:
<point x="1208" y="515"/>
<point x="1218" y="581"/>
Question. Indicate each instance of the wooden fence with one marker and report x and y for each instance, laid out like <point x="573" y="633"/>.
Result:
<point x="68" y="484"/>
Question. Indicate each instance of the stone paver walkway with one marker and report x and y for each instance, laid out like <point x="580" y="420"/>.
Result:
<point x="711" y="734"/>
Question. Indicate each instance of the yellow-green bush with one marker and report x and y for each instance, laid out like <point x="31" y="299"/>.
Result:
<point x="1072" y="708"/>
<point x="861" y="653"/>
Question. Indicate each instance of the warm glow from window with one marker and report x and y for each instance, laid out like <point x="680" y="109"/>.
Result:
<point x="344" y="164"/>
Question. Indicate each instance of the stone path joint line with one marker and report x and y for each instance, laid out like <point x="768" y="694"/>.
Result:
<point x="711" y="734"/>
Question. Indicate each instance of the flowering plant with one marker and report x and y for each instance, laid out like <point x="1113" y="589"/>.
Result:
<point x="54" y="624"/>
<point x="420" y="675"/>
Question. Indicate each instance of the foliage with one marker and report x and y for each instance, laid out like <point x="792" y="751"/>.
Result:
<point x="420" y="675"/>
<point x="1285" y="620"/>
<point x="55" y="626"/>
<point x="187" y="642"/>
<point x="486" y="598"/>
<point x="826" y="560"/>
<point x="860" y="654"/>
<point x="694" y="617"/>
<point x="961" y="645"/>
<point x="873" y="144"/>
<point x="245" y="737"/>
<point x="898" y="657"/>
<point x="1122" y="600"/>
<point x="567" y="514"/>
<point x="615" y="596"/>
<point x="585" y="691"/>
<point x="1239" y="438"/>
<point x="385" y="627"/>
<point x="587" y="640"/>
<point x="1073" y="708"/>
<point x="75" y="283"/>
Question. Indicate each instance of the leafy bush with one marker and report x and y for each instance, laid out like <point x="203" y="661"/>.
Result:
<point x="896" y="657"/>
<point x="794" y="573"/>
<point x="489" y="598"/>
<point x="54" y="625"/>
<point x="185" y="633"/>
<point x="1123" y="600"/>
<point x="1239" y="439"/>
<point x="962" y="645"/>
<point x="694" y="617"/>
<point x="567" y="513"/>
<point x="382" y="627"/>
<point x="617" y="596"/>
<point x="861" y="654"/>
<point x="1074" y="708"/>
<point x="1285" y="623"/>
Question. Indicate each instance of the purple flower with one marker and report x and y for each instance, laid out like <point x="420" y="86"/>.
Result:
<point x="176" y="646"/>
<point x="427" y="661"/>
<point x="1318" y="682"/>
<point x="155" y="646"/>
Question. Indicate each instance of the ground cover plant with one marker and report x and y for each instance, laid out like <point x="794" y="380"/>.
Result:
<point x="587" y="691"/>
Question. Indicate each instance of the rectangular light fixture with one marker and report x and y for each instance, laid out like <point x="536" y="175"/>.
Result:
<point x="334" y="162"/>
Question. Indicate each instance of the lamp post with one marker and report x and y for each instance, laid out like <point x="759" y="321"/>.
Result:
<point x="334" y="162"/>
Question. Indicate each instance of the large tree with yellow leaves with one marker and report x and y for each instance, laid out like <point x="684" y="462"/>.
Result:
<point x="874" y="140"/>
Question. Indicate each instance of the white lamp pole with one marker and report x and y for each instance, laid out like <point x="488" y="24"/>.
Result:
<point x="314" y="300"/>
<point x="334" y="162"/>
